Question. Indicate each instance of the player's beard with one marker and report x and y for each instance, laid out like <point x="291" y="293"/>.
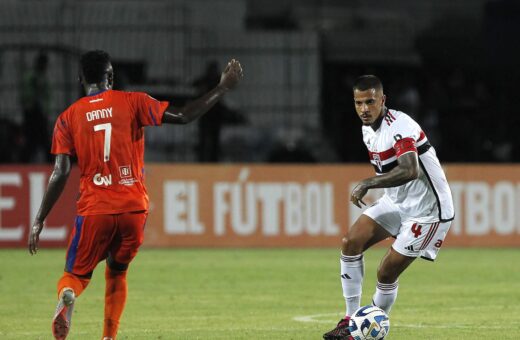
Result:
<point x="367" y="120"/>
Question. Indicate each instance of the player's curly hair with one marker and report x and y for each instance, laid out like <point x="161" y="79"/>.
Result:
<point x="367" y="82"/>
<point x="94" y="65"/>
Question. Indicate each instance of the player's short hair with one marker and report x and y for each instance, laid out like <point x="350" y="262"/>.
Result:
<point x="367" y="82"/>
<point x="94" y="65"/>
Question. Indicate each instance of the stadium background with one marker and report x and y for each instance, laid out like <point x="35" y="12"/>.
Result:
<point x="450" y="64"/>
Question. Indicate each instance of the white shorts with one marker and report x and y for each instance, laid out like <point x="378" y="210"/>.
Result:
<point x="413" y="238"/>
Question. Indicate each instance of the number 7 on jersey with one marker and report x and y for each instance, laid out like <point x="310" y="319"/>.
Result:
<point x="108" y="132"/>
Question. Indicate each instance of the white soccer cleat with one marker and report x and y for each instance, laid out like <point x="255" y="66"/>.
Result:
<point x="62" y="317"/>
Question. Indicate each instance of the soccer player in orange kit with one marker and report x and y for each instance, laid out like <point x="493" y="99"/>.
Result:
<point x="105" y="130"/>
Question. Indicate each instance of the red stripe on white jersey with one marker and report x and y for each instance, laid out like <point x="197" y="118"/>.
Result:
<point x="384" y="155"/>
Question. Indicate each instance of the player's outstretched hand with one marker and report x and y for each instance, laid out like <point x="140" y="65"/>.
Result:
<point x="34" y="237"/>
<point x="231" y="75"/>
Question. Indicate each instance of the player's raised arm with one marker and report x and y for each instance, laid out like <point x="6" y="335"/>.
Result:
<point x="229" y="79"/>
<point x="57" y="182"/>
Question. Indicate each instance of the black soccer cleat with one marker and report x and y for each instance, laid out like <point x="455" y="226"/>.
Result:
<point x="341" y="332"/>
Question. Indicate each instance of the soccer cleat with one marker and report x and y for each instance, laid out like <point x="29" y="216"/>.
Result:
<point x="341" y="332"/>
<point x="61" y="321"/>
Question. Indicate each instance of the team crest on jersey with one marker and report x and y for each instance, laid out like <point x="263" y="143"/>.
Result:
<point x="377" y="160"/>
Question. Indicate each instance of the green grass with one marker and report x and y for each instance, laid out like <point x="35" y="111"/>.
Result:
<point x="257" y="294"/>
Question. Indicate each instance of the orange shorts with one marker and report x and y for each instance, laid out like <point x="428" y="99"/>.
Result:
<point x="96" y="237"/>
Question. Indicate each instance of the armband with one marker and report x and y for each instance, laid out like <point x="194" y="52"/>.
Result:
<point x="404" y="145"/>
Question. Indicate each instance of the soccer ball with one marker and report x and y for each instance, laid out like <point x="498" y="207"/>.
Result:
<point x="369" y="323"/>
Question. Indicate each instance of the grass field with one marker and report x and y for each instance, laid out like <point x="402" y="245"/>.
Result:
<point x="266" y="294"/>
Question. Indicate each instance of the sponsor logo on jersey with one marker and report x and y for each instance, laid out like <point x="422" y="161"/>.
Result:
<point x="377" y="159"/>
<point x="128" y="181"/>
<point x="102" y="180"/>
<point x="125" y="171"/>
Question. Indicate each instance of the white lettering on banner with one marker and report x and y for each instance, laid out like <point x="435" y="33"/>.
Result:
<point x="270" y="195"/>
<point x="8" y="203"/>
<point x="99" y="114"/>
<point x="517" y="208"/>
<point x="221" y="206"/>
<point x="504" y="203"/>
<point x="246" y="208"/>
<point x="243" y="225"/>
<point x="37" y="188"/>
<point x="181" y="208"/>
<point x="477" y="208"/>
<point x="327" y="204"/>
<point x="302" y="208"/>
<point x="293" y="218"/>
<point x="486" y="208"/>
<point x="313" y="211"/>
<point x="491" y="207"/>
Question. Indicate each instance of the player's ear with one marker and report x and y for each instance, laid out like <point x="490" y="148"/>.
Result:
<point x="383" y="99"/>
<point x="110" y="79"/>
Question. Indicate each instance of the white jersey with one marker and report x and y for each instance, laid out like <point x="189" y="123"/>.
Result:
<point x="425" y="199"/>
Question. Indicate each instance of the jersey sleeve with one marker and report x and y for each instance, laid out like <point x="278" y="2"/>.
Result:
<point x="406" y="133"/>
<point x="148" y="110"/>
<point x="62" y="141"/>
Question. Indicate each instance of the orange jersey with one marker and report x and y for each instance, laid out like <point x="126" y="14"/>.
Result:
<point x="106" y="132"/>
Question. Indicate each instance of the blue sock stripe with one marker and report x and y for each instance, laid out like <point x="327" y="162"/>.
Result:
<point x="71" y="253"/>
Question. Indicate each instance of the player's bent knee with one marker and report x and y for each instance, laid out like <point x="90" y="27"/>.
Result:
<point x="116" y="265"/>
<point x="351" y="247"/>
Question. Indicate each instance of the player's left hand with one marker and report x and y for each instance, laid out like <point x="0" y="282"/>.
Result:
<point x="34" y="237"/>
<point x="231" y="75"/>
<point x="357" y="195"/>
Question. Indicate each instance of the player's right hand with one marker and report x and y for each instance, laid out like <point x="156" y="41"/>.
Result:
<point x="231" y="75"/>
<point x="34" y="237"/>
<point x="357" y="195"/>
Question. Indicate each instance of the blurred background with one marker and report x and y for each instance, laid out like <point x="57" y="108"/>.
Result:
<point x="451" y="64"/>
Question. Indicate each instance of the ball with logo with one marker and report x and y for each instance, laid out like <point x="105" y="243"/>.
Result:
<point x="369" y="323"/>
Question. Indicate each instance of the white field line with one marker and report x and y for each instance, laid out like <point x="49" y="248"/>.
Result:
<point x="331" y="318"/>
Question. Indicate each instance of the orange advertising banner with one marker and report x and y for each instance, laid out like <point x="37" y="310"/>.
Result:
<point x="272" y="206"/>
<point x="263" y="205"/>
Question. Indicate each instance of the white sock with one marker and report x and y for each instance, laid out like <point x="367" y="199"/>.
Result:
<point x="385" y="295"/>
<point x="352" y="271"/>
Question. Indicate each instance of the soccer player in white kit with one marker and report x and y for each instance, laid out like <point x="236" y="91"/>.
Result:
<point x="416" y="208"/>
